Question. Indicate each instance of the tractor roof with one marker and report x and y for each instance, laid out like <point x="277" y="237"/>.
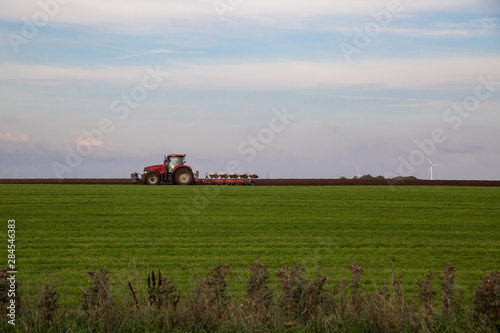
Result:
<point x="177" y="155"/>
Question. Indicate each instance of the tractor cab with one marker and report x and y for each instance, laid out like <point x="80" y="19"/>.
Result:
<point x="173" y="161"/>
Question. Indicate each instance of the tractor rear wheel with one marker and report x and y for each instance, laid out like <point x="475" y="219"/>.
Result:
<point x="183" y="176"/>
<point x="152" y="178"/>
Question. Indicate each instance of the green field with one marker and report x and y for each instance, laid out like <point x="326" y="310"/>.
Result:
<point x="68" y="230"/>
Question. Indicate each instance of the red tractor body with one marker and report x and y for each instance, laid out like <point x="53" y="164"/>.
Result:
<point x="173" y="170"/>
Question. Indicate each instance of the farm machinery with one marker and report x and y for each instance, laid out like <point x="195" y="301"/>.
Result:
<point x="175" y="171"/>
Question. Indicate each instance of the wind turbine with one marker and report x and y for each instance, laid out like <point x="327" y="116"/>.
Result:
<point x="431" y="165"/>
<point x="356" y="175"/>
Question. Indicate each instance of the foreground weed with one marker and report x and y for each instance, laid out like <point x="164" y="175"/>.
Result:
<point x="98" y="296"/>
<point x="291" y="289"/>
<point x="209" y="305"/>
<point x="49" y="302"/>
<point x="163" y="292"/>
<point x="218" y="288"/>
<point x="426" y="294"/>
<point x="259" y="298"/>
<point x="356" y="271"/>
<point x="339" y="297"/>
<point x="487" y="298"/>
<point x="314" y="295"/>
<point x="382" y="314"/>
<point x="452" y="299"/>
<point x="299" y="298"/>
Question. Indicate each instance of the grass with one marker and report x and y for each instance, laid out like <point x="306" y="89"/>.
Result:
<point x="68" y="230"/>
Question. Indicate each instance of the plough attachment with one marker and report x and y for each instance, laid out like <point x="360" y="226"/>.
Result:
<point x="223" y="178"/>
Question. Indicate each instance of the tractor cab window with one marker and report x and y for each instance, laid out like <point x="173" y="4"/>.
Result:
<point x="173" y="162"/>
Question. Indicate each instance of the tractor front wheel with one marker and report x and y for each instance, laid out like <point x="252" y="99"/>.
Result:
<point x="152" y="178"/>
<point x="183" y="176"/>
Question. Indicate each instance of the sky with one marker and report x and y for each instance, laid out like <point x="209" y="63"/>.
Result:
<point x="284" y="89"/>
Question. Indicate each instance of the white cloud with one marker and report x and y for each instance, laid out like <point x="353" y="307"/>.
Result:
<point x="164" y="51"/>
<point x="156" y="51"/>
<point x="464" y="29"/>
<point x="386" y="73"/>
<point x="110" y="11"/>
<point x="11" y="138"/>
<point x="434" y="32"/>
<point x="12" y="72"/>
<point x="11" y="143"/>
<point x="490" y="23"/>
<point x="288" y="75"/>
<point x="148" y="12"/>
<point x="82" y="140"/>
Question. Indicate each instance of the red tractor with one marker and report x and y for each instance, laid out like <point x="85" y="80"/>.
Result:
<point x="173" y="170"/>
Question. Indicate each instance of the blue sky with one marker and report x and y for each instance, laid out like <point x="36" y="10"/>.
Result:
<point x="269" y="86"/>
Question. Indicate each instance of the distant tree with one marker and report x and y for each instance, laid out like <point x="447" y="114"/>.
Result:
<point x="405" y="178"/>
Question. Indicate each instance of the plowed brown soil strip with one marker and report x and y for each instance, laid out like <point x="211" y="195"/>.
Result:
<point x="276" y="182"/>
